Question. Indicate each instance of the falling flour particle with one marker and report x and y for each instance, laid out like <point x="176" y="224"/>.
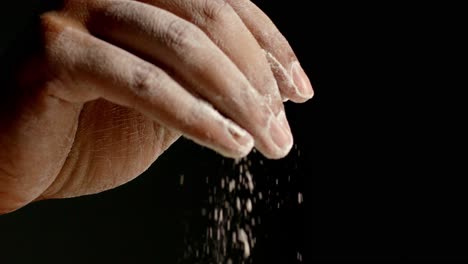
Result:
<point x="232" y="185"/>
<point x="244" y="239"/>
<point x="181" y="180"/>
<point x="250" y="181"/>
<point x="248" y="205"/>
<point x="221" y="216"/>
<point x="299" y="256"/>
<point x="300" y="198"/>
<point x="238" y="204"/>
<point x="216" y="214"/>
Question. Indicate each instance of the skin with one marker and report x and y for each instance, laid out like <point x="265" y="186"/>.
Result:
<point x="116" y="82"/>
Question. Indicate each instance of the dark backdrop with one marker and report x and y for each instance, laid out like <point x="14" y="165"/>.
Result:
<point x="364" y="169"/>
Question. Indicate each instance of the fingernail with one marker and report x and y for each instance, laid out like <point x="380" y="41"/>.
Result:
<point x="301" y="81"/>
<point x="241" y="136"/>
<point x="281" y="117"/>
<point x="281" y="137"/>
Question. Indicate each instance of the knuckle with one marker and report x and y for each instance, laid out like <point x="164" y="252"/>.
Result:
<point x="216" y="10"/>
<point x="146" y="81"/>
<point x="142" y="79"/>
<point x="54" y="52"/>
<point x="60" y="46"/>
<point x="50" y="25"/>
<point x="181" y="34"/>
<point x="51" y="28"/>
<point x="53" y="25"/>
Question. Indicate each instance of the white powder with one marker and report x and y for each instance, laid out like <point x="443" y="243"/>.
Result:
<point x="232" y="185"/>
<point x="244" y="239"/>
<point x="299" y="256"/>
<point x="181" y="180"/>
<point x="229" y="236"/>
<point x="231" y="215"/>
<point x="250" y="181"/>
<point x="249" y="205"/>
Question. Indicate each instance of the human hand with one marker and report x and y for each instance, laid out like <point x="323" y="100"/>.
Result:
<point x="117" y="82"/>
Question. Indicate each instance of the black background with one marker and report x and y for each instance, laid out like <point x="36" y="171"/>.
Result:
<point x="376" y="176"/>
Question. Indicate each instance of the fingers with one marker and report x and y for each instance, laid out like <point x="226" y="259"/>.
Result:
<point x="196" y="61"/>
<point x="125" y="79"/>
<point x="292" y="80"/>
<point x="225" y="28"/>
